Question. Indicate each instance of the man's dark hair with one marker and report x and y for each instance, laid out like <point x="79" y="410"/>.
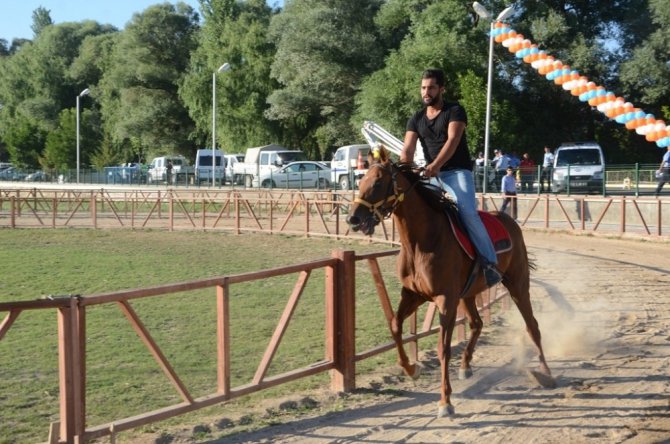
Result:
<point x="436" y="74"/>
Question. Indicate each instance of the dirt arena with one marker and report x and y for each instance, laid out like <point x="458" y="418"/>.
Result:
<point x="604" y="311"/>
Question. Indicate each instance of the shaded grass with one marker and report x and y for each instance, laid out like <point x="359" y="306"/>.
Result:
<point x="122" y="377"/>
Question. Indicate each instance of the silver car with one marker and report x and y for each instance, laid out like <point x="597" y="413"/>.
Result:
<point x="301" y="174"/>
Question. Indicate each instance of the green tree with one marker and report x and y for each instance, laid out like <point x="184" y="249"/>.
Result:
<point x="24" y="143"/>
<point x="36" y="82"/>
<point x="60" y="151"/>
<point x="235" y="33"/>
<point x="324" y="49"/>
<point x="4" y="48"/>
<point x="41" y="19"/>
<point x="528" y="111"/>
<point x="646" y="75"/>
<point x="138" y="91"/>
<point x="441" y="36"/>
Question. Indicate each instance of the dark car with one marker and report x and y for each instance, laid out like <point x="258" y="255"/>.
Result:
<point x="12" y="173"/>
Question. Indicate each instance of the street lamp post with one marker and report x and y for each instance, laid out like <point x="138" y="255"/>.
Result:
<point x="484" y="13"/>
<point x="81" y="94"/>
<point x="222" y="68"/>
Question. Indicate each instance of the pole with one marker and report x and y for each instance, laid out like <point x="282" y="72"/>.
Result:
<point x="77" y="139"/>
<point x="213" y="126"/>
<point x="488" y="112"/>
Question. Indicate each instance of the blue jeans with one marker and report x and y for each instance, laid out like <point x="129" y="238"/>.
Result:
<point x="461" y="186"/>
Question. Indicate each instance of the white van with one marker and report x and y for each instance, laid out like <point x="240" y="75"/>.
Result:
<point x="203" y="166"/>
<point x="578" y="167"/>
<point x="345" y="162"/>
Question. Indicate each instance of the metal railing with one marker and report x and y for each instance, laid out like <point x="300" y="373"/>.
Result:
<point x="619" y="179"/>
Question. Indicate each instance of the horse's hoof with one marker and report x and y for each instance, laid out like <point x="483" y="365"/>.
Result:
<point x="464" y="373"/>
<point x="445" y="410"/>
<point x="416" y="373"/>
<point x="545" y="380"/>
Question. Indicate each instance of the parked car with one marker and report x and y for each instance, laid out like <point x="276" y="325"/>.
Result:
<point x="262" y="160"/>
<point x="37" y="176"/>
<point x="301" y="174"/>
<point x="12" y="173"/>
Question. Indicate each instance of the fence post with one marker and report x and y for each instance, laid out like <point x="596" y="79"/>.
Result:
<point x="71" y="365"/>
<point x="12" y="211"/>
<point x="94" y="209"/>
<point x="171" y="212"/>
<point x="237" y="212"/>
<point x="341" y="320"/>
<point x="622" y="228"/>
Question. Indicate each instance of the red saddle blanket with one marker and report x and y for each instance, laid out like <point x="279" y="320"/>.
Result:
<point x="497" y="232"/>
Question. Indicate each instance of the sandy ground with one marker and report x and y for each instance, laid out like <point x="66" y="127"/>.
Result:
<point x="604" y="310"/>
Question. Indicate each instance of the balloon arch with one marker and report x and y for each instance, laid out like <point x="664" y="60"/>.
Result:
<point x="608" y="103"/>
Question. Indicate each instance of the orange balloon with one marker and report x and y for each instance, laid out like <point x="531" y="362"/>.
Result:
<point x="615" y="111"/>
<point x="654" y="134"/>
<point x="594" y="101"/>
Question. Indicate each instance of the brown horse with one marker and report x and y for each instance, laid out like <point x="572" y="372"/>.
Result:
<point x="433" y="267"/>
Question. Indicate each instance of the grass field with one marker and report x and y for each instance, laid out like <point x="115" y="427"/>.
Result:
<point x="122" y="377"/>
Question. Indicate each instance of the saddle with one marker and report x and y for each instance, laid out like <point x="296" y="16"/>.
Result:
<point x="497" y="232"/>
<point x="500" y="238"/>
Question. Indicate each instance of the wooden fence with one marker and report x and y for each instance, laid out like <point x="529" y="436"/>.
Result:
<point x="339" y="341"/>
<point x="300" y="213"/>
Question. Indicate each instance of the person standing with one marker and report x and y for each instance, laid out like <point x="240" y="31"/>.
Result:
<point x="440" y="126"/>
<point x="527" y="171"/>
<point x="501" y="162"/>
<point x="547" y="168"/>
<point x="508" y="187"/>
<point x="479" y="172"/>
<point x="168" y="172"/>
<point x="663" y="172"/>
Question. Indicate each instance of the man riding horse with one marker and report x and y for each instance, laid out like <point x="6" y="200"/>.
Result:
<point x="440" y="126"/>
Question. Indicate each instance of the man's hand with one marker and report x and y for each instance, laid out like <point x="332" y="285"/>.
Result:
<point x="431" y="170"/>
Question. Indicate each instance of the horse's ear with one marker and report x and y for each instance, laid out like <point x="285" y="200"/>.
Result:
<point x="378" y="154"/>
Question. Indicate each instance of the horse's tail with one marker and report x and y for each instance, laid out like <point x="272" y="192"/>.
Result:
<point x="532" y="265"/>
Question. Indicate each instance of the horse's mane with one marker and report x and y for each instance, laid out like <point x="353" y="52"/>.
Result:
<point x="433" y="195"/>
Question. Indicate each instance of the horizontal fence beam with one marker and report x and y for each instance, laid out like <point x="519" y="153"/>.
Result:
<point x="303" y="213"/>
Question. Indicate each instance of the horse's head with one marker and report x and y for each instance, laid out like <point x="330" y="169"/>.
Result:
<point x="378" y="193"/>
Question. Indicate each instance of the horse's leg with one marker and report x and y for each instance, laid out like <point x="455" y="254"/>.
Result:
<point x="476" y="324"/>
<point x="409" y="302"/>
<point x="447" y="310"/>
<point x="520" y="293"/>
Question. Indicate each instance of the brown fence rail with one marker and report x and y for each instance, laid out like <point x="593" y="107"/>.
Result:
<point x="300" y="212"/>
<point x="340" y="349"/>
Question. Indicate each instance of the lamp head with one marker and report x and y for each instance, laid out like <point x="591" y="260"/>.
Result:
<point x="224" y="67"/>
<point x="481" y="11"/>
<point x="506" y="13"/>
<point x="84" y="92"/>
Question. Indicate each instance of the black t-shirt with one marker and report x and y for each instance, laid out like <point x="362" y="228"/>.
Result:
<point x="433" y="135"/>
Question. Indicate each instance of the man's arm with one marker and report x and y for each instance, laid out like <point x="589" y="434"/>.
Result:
<point x="454" y="134"/>
<point x="408" y="147"/>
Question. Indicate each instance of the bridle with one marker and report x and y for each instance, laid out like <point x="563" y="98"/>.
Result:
<point x="394" y="196"/>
